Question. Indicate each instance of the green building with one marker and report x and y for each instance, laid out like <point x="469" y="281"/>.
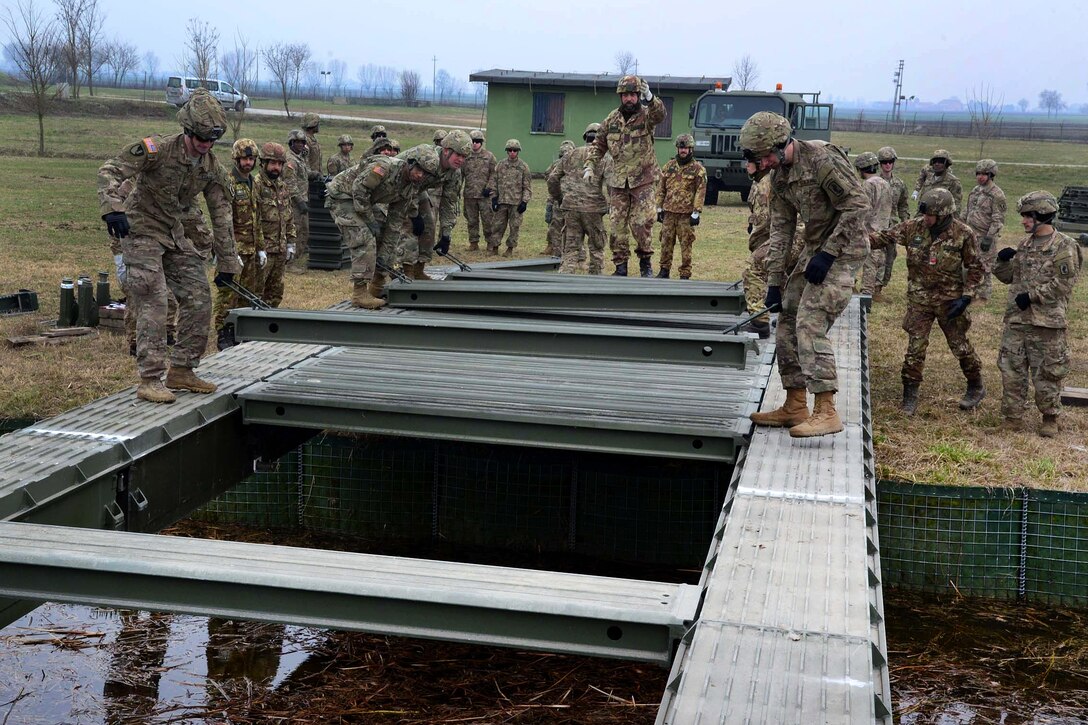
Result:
<point x="540" y="109"/>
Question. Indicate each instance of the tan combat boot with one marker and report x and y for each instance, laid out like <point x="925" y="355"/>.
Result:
<point x="186" y="379"/>
<point x="361" y="297"/>
<point x="153" y="391"/>
<point x="377" y="286"/>
<point x="823" y="421"/>
<point x="1049" y="428"/>
<point x="792" y="412"/>
<point x="417" y="271"/>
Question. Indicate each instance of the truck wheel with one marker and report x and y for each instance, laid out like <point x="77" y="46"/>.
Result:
<point x="711" y="194"/>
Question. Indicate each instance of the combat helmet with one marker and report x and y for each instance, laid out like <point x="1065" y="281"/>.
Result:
<point x="438" y="135"/>
<point x="685" y="141"/>
<point x="295" y="134"/>
<point x="941" y="154"/>
<point x="458" y="142"/>
<point x="513" y="145"/>
<point x="476" y="135"/>
<point x="310" y="120"/>
<point x="380" y="143"/>
<point x="376" y="131"/>
<point x="566" y="147"/>
<point x="395" y="144"/>
<point x="244" y="148"/>
<point x="866" y="161"/>
<point x="592" y="129"/>
<point x="938" y="202"/>
<point x="203" y="116"/>
<point x="1037" y="203"/>
<point x="424" y="156"/>
<point x="986" y="166"/>
<point x="273" y="151"/>
<point x="343" y="139"/>
<point x="886" y="153"/>
<point x="763" y="133"/>
<point x="629" y="84"/>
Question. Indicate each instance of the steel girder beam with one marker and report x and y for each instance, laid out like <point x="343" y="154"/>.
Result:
<point x="535" y="264"/>
<point x="517" y="275"/>
<point x="478" y="333"/>
<point x="539" y="610"/>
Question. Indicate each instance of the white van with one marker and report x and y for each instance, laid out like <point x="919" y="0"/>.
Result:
<point x="179" y="87"/>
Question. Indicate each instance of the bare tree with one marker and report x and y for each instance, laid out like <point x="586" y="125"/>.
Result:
<point x="298" y="54"/>
<point x="338" y="69"/>
<point x="384" y="79"/>
<point x="409" y="86"/>
<point x="366" y="76"/>
<point x="1051" y="101"/>
<point x="312" y="78"/>
<point x="151" y="65"/>
<point x="239" y="69"/>
<point x="201" y="49"/>
<point x="625" y="62"/>
<point x="69" y="18"/>
<point x="985" y="114"/>
<point x="90" y="41"/>
<point x="277" y="58"/>
<point x="34" y="40"/>
<point x="122" y="58"/>
<point x="443" y="84"/>
<point x="745" y="73"/>
<point x="1023" y="103"/>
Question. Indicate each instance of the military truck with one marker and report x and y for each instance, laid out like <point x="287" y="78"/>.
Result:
<point x="716" y="119"/>
<point x="1073" y="213"/>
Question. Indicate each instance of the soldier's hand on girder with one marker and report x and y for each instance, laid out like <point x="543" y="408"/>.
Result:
<point x="522" y="206"/>
<point x="694" y="221"/>
<point x="660" y="215"/>
<point x="487" y="193"/>
<point x="1006" y="254"/>
<point x="417" y="225"/>
<point x="816" y="271"/>
<point x="957" y="307"/>
<point x="122" y="271"/>
<point x="773" y="301"/>
<point x="222" y="278"/>
<point x="116" y="224"/>
<point x="986" y="243"/>
<point x="494" y="203"/>
<point x="1023" y="300"/>
<point x="262" y="258"/>
<point x="443" y="245"/>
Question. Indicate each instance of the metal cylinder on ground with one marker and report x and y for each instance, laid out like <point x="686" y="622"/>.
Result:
<point x="66" y="314"/>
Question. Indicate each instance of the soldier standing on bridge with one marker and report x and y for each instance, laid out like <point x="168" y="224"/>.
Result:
<point x="985" y="214"/>
<point x="815" y="181"/>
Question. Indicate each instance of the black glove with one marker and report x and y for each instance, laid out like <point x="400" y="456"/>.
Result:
<point x="487" y="193"/>
<point x="443" y="245"/>
<point x="986" y="243"/>
<point x="326" y="179"/>
<point x="494" y="203"/>
<point x="693" y="220"/>
<point x="522" y="207"/>
<point x="956" y="307"/>
<point x="817" y="268"/>
<point x="417" y="225"/>
<point x="116" y="224"/>
<point x="661" y="216"/>
<point x="548" y="214"/>
<point x="773" y="301"/>
<point x="1023" y="300"/>
<point x="222" y="278"/>
<point x="1006" y="254"/>
<point x="749" y="228"/>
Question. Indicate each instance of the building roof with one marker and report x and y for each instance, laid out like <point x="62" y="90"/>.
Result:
<point x="596" y="80"/>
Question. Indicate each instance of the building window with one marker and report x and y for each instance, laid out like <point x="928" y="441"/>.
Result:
<point x="548" y="112"/>
<point x="664" y="129"/>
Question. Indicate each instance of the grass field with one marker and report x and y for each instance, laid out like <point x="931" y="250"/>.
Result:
<point x="51" y="229"/>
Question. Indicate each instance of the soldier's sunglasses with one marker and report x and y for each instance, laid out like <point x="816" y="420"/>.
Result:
<point x="888" y="161"/>
<point x="215" y="135"/>
<point x="514" y="150"/>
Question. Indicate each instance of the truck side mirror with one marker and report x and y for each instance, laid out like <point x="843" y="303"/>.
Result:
<point x="691" y="111"/>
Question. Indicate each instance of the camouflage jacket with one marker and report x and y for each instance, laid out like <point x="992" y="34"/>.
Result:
<point x="296" y="176"/>
<point x="338" y="162"/>
<point x="985" y="211"/>
<point x="821" y="188"/>
<point x="248" y="237"/>
<point x="277" y="213"/>
<point x="759" y="217"/>
<point x="196" y="228"/>
<point x="900" y="205"/>
<point x="447" y="190"/>
<point x="928" y="180"/>
<point x="553" y="196"/>
<point x="631" y="143"/>
<point x="682" y="187"/>
<point x="478" y="169"/>
<point x="941" y="269"/>
<point x="313" y="157"/>
<point x="513" y="182"/>
<point x="1046" y="268"/>
<point x="383" y="180"/>
<point x="880" y="203"/>
<point x="166" y="192"/>
<point x="566" y="183"/>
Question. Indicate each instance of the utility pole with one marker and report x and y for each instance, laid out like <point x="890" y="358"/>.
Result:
<point x="325" y="79"/>
<point x="434" y="75"/>
<point x="898" y="98"/>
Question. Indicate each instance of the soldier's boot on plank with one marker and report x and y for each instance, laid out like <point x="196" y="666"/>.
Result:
<point x="759" y="327"/>
<point x="415" y="271"/>
<point x="361" y="297"/>
<point x="185" y="379"/>
<point x="976" y="391"/>
<point x="1049" y="428"/>
<point x="645" y="267"/>
<point x="377" y="286"/>
<point x="910" y="398"/>
<point x="793" y="412"/>
<point x="823" y="421"/>
<point x="621" y="270"/>
<point x="663" y="273"/>
<point x="153" y="391"/>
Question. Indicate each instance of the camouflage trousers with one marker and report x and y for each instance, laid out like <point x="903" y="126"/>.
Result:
<point x="252" y="278"/>
<point x="130" y="316"/>
<point x="987" y="287"/>
<point x="412" y="249"/>
<point x="918" y="322"/>
<point x="677" y="227"/>
<point x="1038" y="353"/>
<point x="872" y="272"/>
<point x="302" y="237"/>
<point x="631" y="209"/>
<point x="554" y="247"/>
<point x="505" y="216"/>
<point x="272" y="279"/>
<point x="755" y="281"/>
<point x="155" y="272"/>
<point x="890" y="253"/>
<point x="369" y="245"/>
<point x="478" y="214"/>
<point x="805" y="355"/>
<point x="578" y="227"/>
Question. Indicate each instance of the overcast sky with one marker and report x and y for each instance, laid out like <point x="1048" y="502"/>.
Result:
<point x="846" y="48"/>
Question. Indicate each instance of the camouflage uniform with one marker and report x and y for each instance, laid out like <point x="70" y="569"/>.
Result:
<point x="680" y="192"/>
<point x="553" y="212"/>
<point x="880" y="202"/>
<point x="310" y="123"/>
<point x="478" y="170"/>
<point x="245" y="211"/>
<point x="513" y="186"/>
<point x="277" y="231"/>
<point x="438" y="204"/>
<point x="296" y="173"/>
<point x="338" y="162"/>
<point x="1033" y="343"/>
<point x="927" y="180"/>
<point x="985" y="214"/>
<point x="900" y="213"/>
<point x="583" y="205"/>
<point x="754" y="276"/>
<point x="939" y="271"/>
<point x="630" y="141"/>
<point x="159" y="255"/>
<point x="822" y="188"/>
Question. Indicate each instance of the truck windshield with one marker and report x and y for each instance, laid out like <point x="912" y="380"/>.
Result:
<point x="728" y="111"/>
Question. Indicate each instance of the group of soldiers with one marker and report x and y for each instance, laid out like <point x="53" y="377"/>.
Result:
<point x="810" y="241"/>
